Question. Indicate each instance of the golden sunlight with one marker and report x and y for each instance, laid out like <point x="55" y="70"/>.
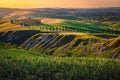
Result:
<point x="61" y="3"/>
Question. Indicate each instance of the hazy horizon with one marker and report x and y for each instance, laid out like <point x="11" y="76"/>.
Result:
<point x="59" y="4"/>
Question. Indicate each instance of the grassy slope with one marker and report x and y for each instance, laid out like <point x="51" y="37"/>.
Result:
<point x="25" y="65"/>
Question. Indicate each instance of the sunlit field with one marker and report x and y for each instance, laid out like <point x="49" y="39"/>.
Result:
<point x="25" y="65"/>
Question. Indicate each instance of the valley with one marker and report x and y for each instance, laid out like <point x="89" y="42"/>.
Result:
<point x="59" y="44"/>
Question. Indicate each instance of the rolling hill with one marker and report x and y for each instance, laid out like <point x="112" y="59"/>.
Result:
<point x="69" y="44"/>
<point x="65" y="44"/>
<point x="85" y="26"/>
<point x="102" y="14"/>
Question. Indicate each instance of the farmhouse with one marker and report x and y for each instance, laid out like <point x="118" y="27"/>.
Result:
<point x="26" y="21"/>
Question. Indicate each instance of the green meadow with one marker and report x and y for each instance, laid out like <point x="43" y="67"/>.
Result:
<point x="18" y="64"/>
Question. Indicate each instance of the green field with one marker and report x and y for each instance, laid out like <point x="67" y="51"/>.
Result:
<point x="81" y="26"/>
<point x="17" y="64"/>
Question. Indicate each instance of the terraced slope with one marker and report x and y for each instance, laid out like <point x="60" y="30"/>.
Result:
<point x="72" y="45"/>
<point x="16" y="37"/>
<point x="61" y="44"/>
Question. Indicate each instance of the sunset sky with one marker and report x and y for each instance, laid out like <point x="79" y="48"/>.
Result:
<point x="59" y="3"/>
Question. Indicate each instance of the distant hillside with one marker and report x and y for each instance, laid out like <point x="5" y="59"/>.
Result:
<point x="18" y="14"/>
<point x="6" y="11"/>
<point x="94" y="13"/>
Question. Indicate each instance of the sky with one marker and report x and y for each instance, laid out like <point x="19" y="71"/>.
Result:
<point x="59" y="3"/>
